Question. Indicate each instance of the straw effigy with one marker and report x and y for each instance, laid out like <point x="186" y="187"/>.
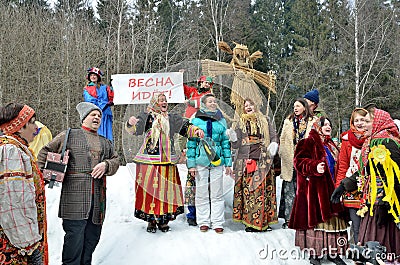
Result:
<point x="244" y="85"/>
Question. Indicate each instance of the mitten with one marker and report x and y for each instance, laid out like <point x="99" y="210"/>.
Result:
<point x="231" y="135"/>
<point x="272" y="148"/>
<point x="192" y="103"/>
<point x="350" y="184"/>
<point x="337" y="193"/>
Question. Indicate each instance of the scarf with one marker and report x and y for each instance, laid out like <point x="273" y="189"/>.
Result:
<point x="299" y="128"/>
<point x="160" y="124"/>
<point x="209" y="117"/>
<point x="255" y="123"/>
<point x="356" y="138"/>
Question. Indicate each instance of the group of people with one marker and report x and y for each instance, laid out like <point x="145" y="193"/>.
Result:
<point x="25" y="148"/>
<point x="324" y="185"/>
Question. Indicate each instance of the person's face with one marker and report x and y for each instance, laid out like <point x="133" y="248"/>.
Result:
<point x="162" y="103"/>
<point x="93" y="78"/>
<point x="369" y="120"/>
<point x="211" y="103"/>
<point x="29" y="132"/>
<point x="248" y="107"/>
<point x="298" y="108"/>
<point x="326" y="128"/>
<point x="205" y="84"/>
<point x="359" y="122"/>
<point x="93" y="120"/>
<point x="311" y="105"/>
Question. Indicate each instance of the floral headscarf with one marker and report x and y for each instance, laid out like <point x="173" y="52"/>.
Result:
<point x="383" y="126"/>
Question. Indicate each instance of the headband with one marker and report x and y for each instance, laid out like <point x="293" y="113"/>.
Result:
<point x="18" y="122"/>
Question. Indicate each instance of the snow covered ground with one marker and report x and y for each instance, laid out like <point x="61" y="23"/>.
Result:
<point x="124" y="240"/>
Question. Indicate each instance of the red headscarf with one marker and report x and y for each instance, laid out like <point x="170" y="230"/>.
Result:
<point x="383" y="126"/>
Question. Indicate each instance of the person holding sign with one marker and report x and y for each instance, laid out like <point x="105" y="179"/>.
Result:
<point x="208" y="171"/>
<point x="159" y="197"/>
<point x="193" y="96"/>
<point x="102" y="96"/>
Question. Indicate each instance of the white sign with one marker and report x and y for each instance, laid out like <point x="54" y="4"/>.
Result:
<point x="140" y="88"/>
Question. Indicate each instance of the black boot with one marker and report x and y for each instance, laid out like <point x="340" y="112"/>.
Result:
<point x="163" y="226"/>
<point x="151" y="227"/>
<point x="191" y="222"/>
<point x="336" y="259"/>
<point x="35" y="258"/>
<point x="315" y="260"/>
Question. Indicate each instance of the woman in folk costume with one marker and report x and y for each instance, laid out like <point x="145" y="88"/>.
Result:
<point x="102" y="96"/>
<point x="348" y="164"/>
<point x="254" y="202"/>
<point x="23" y="238"/>
<point x="316" y="220"/>
<point x="208" y="169"/>
<point x="379" y="180"/>
<point x="158" y="187"/>
<point x="295" y="127"/>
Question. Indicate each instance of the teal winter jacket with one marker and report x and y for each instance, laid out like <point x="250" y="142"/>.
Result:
<point x="214" y="126"/>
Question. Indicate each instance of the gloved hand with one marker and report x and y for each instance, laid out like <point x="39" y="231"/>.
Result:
<point x="192" y="103"/>
<point x="35" y="258"/>
<point x="349" y="183"/>
<point x="272" y="148"/>
<point x="381" y="213"/>
<point x="337" y="193"/>
<point x="231" y="135"/>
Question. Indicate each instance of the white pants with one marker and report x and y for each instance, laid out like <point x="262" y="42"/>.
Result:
<point x="209" y="197"/>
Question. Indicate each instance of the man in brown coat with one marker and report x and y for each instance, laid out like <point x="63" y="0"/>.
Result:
<point x="83" y="193"/>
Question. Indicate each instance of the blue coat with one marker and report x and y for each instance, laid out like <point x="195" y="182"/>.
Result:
<point x="102" y="99"/>
<point x="218" y="135"/>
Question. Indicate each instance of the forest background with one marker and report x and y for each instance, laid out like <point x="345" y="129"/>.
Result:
<point x="348" y="50"/>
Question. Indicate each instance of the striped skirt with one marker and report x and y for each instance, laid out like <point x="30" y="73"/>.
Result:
<point x="326" y="238"/>
<point x="158" y="193"/>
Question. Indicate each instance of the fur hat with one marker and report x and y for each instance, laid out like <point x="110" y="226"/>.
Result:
<point x="313" y="96"/>
<point x="84" y="108"/>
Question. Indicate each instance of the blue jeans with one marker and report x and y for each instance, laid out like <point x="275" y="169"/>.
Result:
<point x="192" y="212"/>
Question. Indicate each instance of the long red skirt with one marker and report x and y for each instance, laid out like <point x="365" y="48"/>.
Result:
<point x="159" y="194"/>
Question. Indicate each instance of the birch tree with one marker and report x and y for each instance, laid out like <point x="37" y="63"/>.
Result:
<point x="373" y="25"/>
